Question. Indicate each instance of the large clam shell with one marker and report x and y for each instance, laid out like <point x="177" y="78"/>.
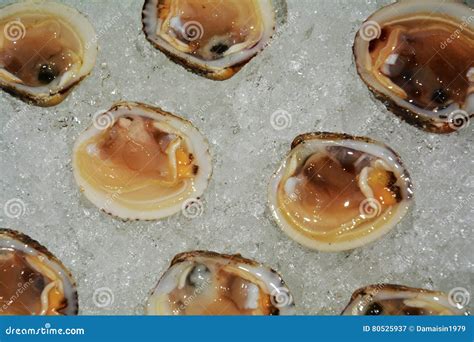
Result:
<point x="336" y="192"/>
<point x="115" y="172"/>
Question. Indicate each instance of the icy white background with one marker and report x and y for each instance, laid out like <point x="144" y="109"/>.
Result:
<point x="307" y="71"/>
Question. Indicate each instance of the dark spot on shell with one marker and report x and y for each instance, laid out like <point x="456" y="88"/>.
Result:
<point x="439" y="96"/>
<point x="195" y="169"/>
<point x="219" y="48"/>
<point x="374" y="309"/>
<point x="47" y="73"/>
<point x="410" y="311"/>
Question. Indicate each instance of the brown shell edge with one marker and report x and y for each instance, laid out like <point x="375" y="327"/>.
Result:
<point x="14" y="234"/>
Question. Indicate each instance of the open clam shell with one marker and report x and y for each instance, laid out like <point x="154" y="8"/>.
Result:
<point x="416" y="57"/>
<point x="139" y="162"/>
<point x="208" y="283"/>
<point x="213" y="39"/>
<point x="336" y="192"/>
<point x="34" y="281"/>
<point x="46" y="48"/>
<point x="388" y="299"/>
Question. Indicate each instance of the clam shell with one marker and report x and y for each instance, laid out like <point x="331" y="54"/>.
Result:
<point x="411" y="299"/>
<point x="443" y="121"/>
<point x="51" y="94"/>
<point x="273" y="12"/>
<point x="273" y="285"/>
<point x="106" y="201"/>
<point x="13" y="239"/>
<point x="305" y="145"/>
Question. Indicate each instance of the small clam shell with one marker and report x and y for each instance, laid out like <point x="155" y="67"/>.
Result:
<point x="209" y="283"/>
<point x="388" y="299"/>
